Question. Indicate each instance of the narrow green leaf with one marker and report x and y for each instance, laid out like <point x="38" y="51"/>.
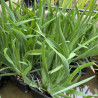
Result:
<point x="25" y="21"/>
<point x="7" y="57"/>
<point x="82" y="45"/>
<point x="74" y="92"/>
<point x="56" y="69"/>
<point x="9" y="11"/>
<point x="78" y="69"/>
<point x="8" y="74"/>
<point x="71" y="55"/>
<point x="26" y="71"/>
<point x="33" y="52"/>
<point x="20" y="34"/>
<point x="4" y="68"/>
<point x="74" y="85"/>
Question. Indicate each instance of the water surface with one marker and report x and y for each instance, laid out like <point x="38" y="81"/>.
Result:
<point x="11" y="91"/>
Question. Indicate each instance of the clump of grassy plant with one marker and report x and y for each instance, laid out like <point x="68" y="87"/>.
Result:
<point x="70" y="39"/>
<point x="55" y="40"/>
<point x="16" y="44"/>
<point x="81" y="4"/>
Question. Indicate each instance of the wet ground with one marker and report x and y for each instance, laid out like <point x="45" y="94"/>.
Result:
<point x="11" y="91"/>
<point x="89" y="88"/>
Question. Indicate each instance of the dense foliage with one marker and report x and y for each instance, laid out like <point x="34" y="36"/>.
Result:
<point x="46" y="44"/>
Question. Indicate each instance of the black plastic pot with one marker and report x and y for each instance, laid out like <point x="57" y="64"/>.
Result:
<point x="20" y="84"/>
<point x="37" y="94"/>
<point x="0" y="81"/>
<point x="3" y="80"/>
<point x="30" y="2"/>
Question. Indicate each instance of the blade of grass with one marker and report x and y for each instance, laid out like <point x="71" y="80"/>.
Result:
<point x="74" y="85"/>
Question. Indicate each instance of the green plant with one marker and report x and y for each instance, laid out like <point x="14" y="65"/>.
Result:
<point x="81" y="4"/>
<point x="55" y="40"/>
<point x="71" y="39"/>
<point x="16" y="44"/>
<point x="55" y="77"/>
<point x="68" y="33"/>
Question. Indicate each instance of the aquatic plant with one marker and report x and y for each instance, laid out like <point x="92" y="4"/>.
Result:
<point x="54" y="41"/>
